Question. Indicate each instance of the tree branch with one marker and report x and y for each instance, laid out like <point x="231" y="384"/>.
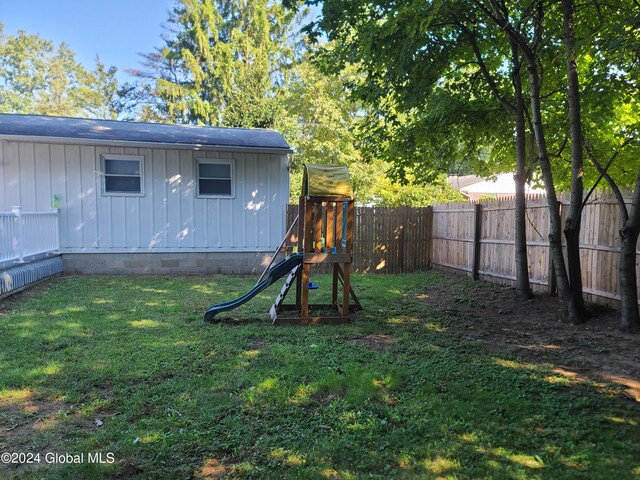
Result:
<point x="603" y="174"/>
<point x="634" y="222"/>
<point x="471" y="36"/>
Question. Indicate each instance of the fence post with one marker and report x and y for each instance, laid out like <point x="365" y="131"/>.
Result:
<point x="401" y="244"/>
<point x="56" y="237"/>
<point x="429" y="232"/>
<point x="477" y="211"/>
<point x="19" y="239"/>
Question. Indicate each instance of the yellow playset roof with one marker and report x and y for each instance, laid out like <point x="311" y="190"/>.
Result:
<point x="326" y="181"/>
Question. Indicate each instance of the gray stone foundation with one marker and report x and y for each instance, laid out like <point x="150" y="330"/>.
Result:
<point x="187" y="263"/>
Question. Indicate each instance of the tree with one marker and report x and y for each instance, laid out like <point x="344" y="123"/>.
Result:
<point x="102" y="96"/>
<point x="38" y="77"/>
<point x="613" y="21"/>
<point x="573" y="221"/>
<point x="222" y="63"/>
<point x="35" y="76"/>
<point x="322" y="124"/>
<point x="611" y="130"/>
<point x="415" y="72"/>
<point x="431" y="74"/>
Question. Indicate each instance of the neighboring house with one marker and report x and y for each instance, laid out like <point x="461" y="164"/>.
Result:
<point x="149" y="198"/>
<point x="501" y="186"/>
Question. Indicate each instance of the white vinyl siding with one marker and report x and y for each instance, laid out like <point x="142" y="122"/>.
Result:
<point x="169" y="217"/>
<point x="215" y="178"/>
<point x="122" y="175"/>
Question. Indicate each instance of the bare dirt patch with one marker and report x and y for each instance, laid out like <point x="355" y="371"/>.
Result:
<point x="595" y="351"/>
<point x="377" y="341"/>
<point x="212" y="470"/>
<point x="31" y="423"/>
<point x="23" y="412"/>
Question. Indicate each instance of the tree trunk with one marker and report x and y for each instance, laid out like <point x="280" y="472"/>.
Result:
<point x="629" y="315"/>
<point x="523" y="288"/>
<point x="573" y="222"/>
<point x="629" y="231"/>
<point x="555" y="231"/>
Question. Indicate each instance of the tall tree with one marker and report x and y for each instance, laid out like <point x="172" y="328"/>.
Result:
<point x="610" y="69"/>
<point x="413" y="53"/>
<point x="434" y="78"/>
<point x="525" y="28"/>
<point x="222" y="63"/>
<point x="573" y="221"/>
<point x="102" y="96"/>
<point x="38" y="77"/>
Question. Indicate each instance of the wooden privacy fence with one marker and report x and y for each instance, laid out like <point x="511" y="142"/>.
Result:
<point x="388" y="240"/>
<point x="479" y="239"/>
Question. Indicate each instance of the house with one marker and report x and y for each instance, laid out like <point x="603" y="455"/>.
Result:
<point x="500" y="186"/>
<point x="149" y="198"/>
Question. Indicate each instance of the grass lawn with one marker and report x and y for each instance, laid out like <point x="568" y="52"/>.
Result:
<point x="126" y="366"/>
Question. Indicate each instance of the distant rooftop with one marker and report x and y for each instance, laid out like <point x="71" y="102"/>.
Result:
<point x="460" y="181"/>
<point x="112" y="131"/>
<point x="500" y="186"/>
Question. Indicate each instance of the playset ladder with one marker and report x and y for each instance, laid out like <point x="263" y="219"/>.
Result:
<point x="283" y="292"/>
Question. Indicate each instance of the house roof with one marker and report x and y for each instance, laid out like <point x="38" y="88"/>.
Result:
<point x="83" y="130"/>
<point x="501" y="184"/>
<point x="460" y="181"/>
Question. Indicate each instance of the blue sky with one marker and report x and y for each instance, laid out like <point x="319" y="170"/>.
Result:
<point x="116" y="30"/>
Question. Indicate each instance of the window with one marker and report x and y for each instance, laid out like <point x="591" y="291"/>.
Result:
<point x="215" y="178"/>
<point x="122" y="174"/>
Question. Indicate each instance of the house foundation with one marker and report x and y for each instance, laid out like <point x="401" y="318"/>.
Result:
<point x="178" y="263"/>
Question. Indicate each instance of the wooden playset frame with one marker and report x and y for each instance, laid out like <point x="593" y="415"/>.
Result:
<point x="325" y="236"/>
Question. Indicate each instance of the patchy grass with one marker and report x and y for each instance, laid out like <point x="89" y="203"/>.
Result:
<point x="126" y="366"/>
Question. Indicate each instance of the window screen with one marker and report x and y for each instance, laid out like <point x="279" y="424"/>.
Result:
<point x="215" y="178"/>
<point x="122" y="174"/>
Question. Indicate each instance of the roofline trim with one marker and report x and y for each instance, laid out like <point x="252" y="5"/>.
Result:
<point x="89" y="141"/>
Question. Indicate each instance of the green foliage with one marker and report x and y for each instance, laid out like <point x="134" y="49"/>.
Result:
<point x="429" y="110"/>
<point x="429" y="104"/>
<point x="223" y="63"/>
<point x="410" y="194"/>
<point x="38" y="77"/>
<point x="102" y="96"/>
<point x="609" y="72"/>
<point x="177" y="396"/>
<point x="324" y="126"/>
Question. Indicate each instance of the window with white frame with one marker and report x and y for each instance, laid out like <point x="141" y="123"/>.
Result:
<point x="122" y="174"/>
<point x="215" y="178"/>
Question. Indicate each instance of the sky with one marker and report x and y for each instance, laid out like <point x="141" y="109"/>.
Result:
<point x="115" y="30"/>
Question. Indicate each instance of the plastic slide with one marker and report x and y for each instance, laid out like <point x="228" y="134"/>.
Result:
<point x="274" y="273"/>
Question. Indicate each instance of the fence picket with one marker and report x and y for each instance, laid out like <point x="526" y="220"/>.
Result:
<point x="443" y="236"/>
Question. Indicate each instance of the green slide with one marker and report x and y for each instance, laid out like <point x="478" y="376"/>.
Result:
<point x="277" y="271"/>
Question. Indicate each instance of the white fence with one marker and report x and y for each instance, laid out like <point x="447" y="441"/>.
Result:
<point x="27" y="234"/>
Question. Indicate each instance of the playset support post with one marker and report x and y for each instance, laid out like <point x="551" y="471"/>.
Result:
<point x="325" y="236"/>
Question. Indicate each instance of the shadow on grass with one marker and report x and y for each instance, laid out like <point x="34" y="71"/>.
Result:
<point x="127" y="366"/>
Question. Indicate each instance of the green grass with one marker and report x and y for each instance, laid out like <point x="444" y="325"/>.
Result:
<point x="254" y="401"/>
